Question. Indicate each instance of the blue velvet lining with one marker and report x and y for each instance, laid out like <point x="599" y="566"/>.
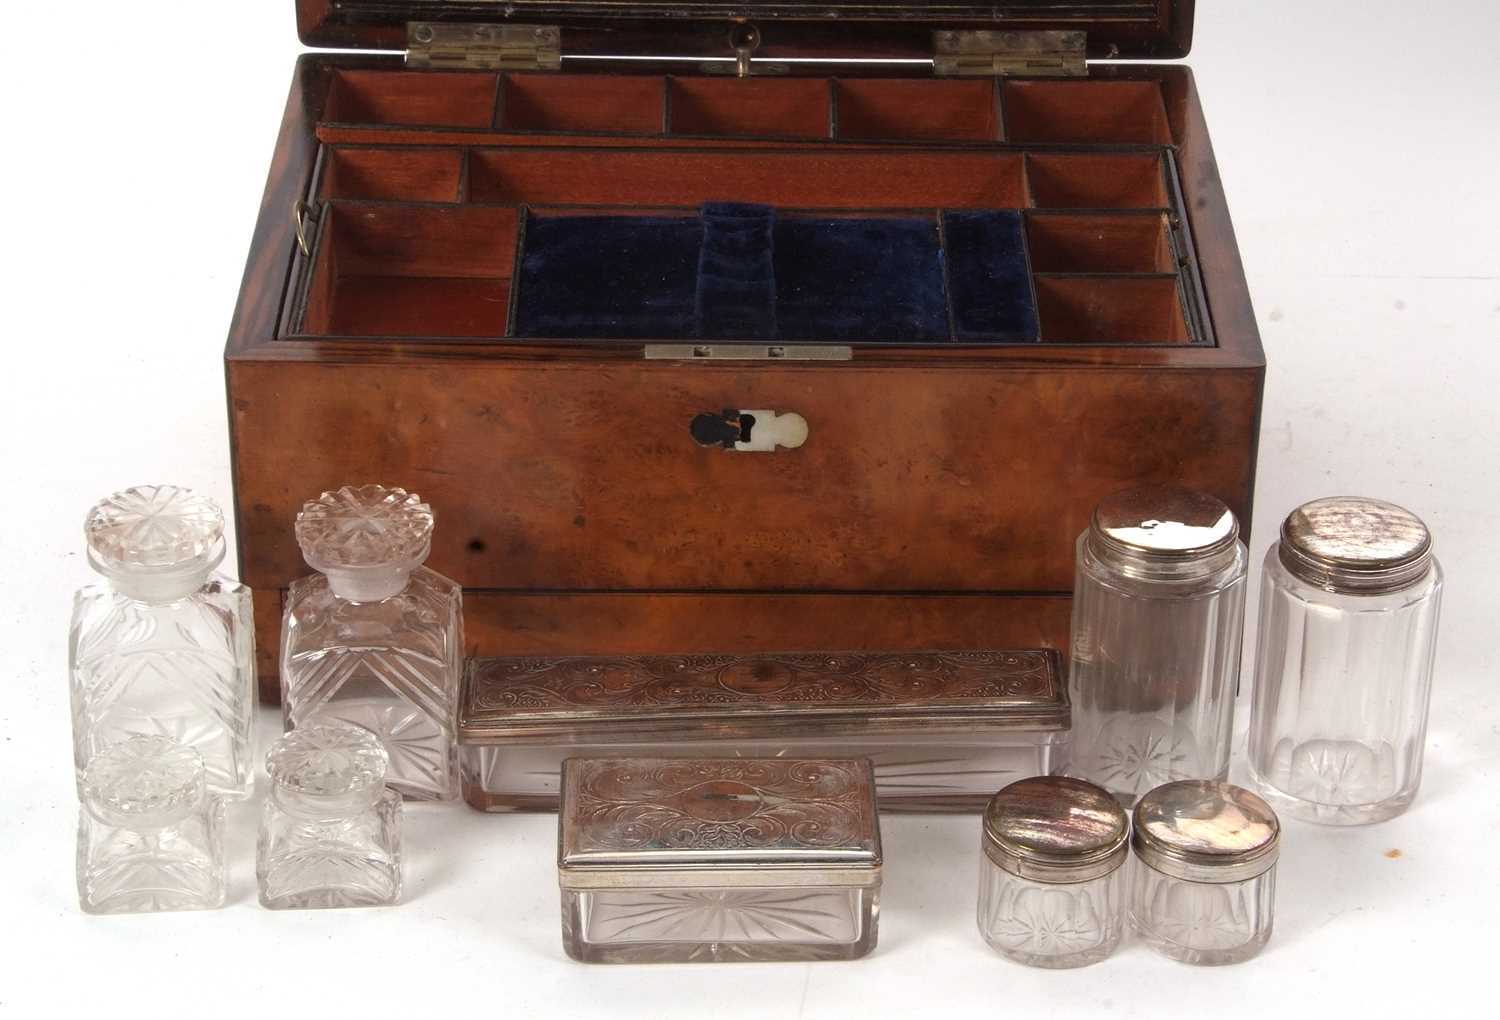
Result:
<point x="988" y="280"/>
<point x="741" y="271"/>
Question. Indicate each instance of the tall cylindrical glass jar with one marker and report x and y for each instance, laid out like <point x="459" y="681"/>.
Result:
<point x="1343" y="673"/>
<point x="1158" y="615"/>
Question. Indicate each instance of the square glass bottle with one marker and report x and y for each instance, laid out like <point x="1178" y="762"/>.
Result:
<point x="150" y="835"/>
<point x="675" y="860"/>
<point x="330" y="832"/>
<point x="374" y="638"/>
<point x="164" y="647"/>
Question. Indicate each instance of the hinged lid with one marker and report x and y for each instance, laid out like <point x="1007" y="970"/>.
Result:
<point x="787" y="28"/>
<point x="483" y="47"/>
<point x="717" y="822"/>
<point x="726" y="697"/>
<point x="1028" y="54"/>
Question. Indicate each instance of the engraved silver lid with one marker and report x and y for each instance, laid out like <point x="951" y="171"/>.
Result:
<point x="1154" y="527"/>
<point x="1201" y="830"/>
<point x="1355" y="546"/>
<point x="1056" y="830"/>
<point x="716" y="822"/>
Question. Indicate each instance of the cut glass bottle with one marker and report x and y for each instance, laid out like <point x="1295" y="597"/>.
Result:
<point x="374" y="638"/>
<point x="330" y="832"/>
<point x="164" y="646"/>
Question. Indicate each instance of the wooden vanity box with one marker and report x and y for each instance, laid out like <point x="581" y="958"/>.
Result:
<point x="750" y="349"/>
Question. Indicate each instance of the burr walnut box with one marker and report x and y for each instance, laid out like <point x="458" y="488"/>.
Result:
<point x="701" y="336"/>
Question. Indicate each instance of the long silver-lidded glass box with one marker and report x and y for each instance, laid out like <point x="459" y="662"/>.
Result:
<point x="944" y="730"/>
<point x="709" y="859"/>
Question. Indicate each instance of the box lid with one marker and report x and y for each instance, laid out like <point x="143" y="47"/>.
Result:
<point x="787" y="28"/>
<point x="726" y="697"/>
<point x="717" y="822"/>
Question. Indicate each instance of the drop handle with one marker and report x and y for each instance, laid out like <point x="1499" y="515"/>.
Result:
<point x="749" y="431"/>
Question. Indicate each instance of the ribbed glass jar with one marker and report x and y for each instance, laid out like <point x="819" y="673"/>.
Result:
<point x="1204" y="887"/>
<point x="1051" y="881"/>
<point x="1343" y="674"/>
<point x="1158" y="616"/>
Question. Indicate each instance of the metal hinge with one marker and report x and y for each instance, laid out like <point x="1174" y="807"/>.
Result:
<point x="484" y="47"/>
<point x="987" y="53"/>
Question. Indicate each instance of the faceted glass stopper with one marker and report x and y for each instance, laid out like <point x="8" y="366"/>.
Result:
<point x="155" y="528"/>
<point x="330" y="769"/>
<point x="365" y="526"/>
<point x="144" y="782"/>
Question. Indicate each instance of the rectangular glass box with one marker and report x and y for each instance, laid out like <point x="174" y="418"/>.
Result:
<point x="944" y="730"/>
<point x="679" y="860"/>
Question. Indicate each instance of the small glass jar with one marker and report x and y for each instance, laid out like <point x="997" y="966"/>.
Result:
<point x="330" y="833"/>
<point x="1204" y="889"/>
<point x="150" y="835"/>
<point x="1343" y="673"/>
<point x="1158" y="615"/>
<point x="1051" y="885"/>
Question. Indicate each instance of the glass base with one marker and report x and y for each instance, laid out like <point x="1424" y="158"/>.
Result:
<point x="1205" y="957"/>
<point x="920" y="773"/>
<point x="719" y="925"/>
<point x="1288" y="806"/>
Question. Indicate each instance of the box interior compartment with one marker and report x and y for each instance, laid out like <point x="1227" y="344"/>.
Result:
<point x="411" y="270"/>
<point x="751" y="107"/>
<point x="892" y="109"/>
<point x="1113" y="111"/>
<point x="464" y="99"/>
<point x="1115" y="309"/>
<point x="1054" y="226"/>
<point x="1085" y="112"/>
<point x="594" y="103"/>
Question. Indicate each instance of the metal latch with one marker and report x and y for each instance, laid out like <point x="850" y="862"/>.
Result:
<point x="987" y="53"/>
<point x="484" y="47"/>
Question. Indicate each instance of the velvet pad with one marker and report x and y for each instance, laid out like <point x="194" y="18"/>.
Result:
<point x="739" y="271"/>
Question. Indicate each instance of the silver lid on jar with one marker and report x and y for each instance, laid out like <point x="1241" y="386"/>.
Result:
<point x="1201" y="830"/>
<point x="1356" y="546"/>
<point x="1055" y="830"/>
<point x="1157" y="527"/>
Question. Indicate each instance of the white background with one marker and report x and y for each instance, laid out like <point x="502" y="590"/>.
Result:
<point x="1358" y="143"/>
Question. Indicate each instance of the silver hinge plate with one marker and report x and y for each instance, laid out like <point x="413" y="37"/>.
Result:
<point x="987" y="53"/>
<point x="483" y="47"/>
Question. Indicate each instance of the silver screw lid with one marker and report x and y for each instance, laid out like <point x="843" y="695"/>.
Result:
<point x="1201" y="830"/>
<point x="1357" y="546"/>
<point x="1055" y="830"/>
<point x="1163" y="528"/>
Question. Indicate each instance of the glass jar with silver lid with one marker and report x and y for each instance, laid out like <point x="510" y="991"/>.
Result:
<point x="1204" y="887"/>
<point x="1158" y="615"/>
<point x="1051" y="881"/>
<point x="1343" y="676"/>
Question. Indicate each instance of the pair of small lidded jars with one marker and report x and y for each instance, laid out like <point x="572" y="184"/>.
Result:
<point x="151" y="832"/>
<point x="1054" y="890"/>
